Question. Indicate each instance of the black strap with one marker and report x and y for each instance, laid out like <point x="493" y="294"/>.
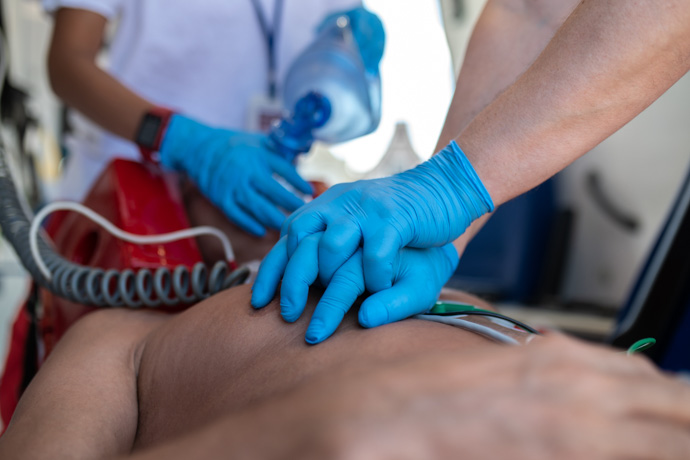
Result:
<point x="270" y="35"/>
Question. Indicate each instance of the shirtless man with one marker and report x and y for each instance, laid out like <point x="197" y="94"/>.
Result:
<point x="222" y="380"/>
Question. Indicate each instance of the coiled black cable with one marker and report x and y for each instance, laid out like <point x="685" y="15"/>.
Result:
<point x="107" y="288"/>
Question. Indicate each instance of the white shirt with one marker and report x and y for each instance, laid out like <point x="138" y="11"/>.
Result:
<point x="204" y="58"/>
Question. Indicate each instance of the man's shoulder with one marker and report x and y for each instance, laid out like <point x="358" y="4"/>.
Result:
<point x="116" y="330"/>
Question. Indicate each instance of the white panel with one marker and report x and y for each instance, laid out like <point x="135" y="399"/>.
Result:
<point x="642" y="167"/>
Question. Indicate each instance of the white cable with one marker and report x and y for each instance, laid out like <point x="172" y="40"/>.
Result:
<point x="113" y="230"/>
<point x="470" y="326"/>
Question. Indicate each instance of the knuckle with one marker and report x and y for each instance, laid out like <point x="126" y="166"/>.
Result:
<point x="332" y="242"/>
<point x="351" y="279"/>
<point x="348" y="283"/>
<point x="241" y="194"/>
<point x="293" y="280"/>
<point x="294" y="227"/>
<point x="382" y="256"/>
<point x="302" y="279"/>
<point x="331" y="304"/>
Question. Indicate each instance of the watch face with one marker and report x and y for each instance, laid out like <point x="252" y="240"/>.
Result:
<point x="148" y="130"/>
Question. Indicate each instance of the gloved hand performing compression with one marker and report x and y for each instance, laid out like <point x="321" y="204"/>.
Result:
<point x="235" y="171"/>
<point x="428" y="206"/>
<point x="418" y="276"/>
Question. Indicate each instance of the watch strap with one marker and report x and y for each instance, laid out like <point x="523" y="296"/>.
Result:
<point x="151" y="132"/>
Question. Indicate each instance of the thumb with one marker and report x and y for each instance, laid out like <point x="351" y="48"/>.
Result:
<point x="406" y="298"/>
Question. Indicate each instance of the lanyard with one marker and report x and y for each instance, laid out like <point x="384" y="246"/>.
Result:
<point x="270" y="37"/>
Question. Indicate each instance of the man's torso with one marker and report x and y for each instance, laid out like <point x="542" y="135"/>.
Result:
<point x="221" y="355"/>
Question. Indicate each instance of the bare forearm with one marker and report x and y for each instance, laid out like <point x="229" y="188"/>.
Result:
<point x="81" y="84"/>
<point x="507" y="38"/>
<point x="608" y="62"/>
<point x="100" y="97"/>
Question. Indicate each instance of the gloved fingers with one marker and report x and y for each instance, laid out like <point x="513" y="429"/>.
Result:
<point x="379" y="254"/>
<point x="222" y="182"/>
<point x="407" y="297"/>
<point x="278" y="194"/>
<point x="244" y="220"/>
<point x="339" y="242"/>
<point x="259" y="207"/>
<point x="270" y="272"/>
<point x="300" y="273"/>
<point x="318" y="203"/>
<point x="300" y="212"/>
<point x="346" y="285"/>
<point x="299" y="228"/>
<point x="288" y="172"/>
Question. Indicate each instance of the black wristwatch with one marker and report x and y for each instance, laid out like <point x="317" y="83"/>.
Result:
<point x="151" y="131"/>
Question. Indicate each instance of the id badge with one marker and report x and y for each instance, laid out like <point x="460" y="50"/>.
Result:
<point x="263" y="112"/>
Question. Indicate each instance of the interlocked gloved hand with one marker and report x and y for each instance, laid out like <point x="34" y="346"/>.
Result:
<point x="427" y="206"/>
<point x="418" y="276"/>
<point x="235" y="171"/>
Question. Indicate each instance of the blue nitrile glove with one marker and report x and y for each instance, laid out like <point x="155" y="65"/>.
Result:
<point x="368" y="33"/>
<point x="235" y="171"/>
<point x="427" y="206"/>
<point x="418" y="276"/>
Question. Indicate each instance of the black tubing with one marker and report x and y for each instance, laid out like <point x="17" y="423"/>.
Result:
<point x="107" y="288"/>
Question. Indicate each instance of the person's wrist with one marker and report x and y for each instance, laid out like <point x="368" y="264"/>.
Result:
<point x="182" y="141"/>
<point x="151" y="132"/>
<point x="464" y="177"/>
<point x="450" y="178"/>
